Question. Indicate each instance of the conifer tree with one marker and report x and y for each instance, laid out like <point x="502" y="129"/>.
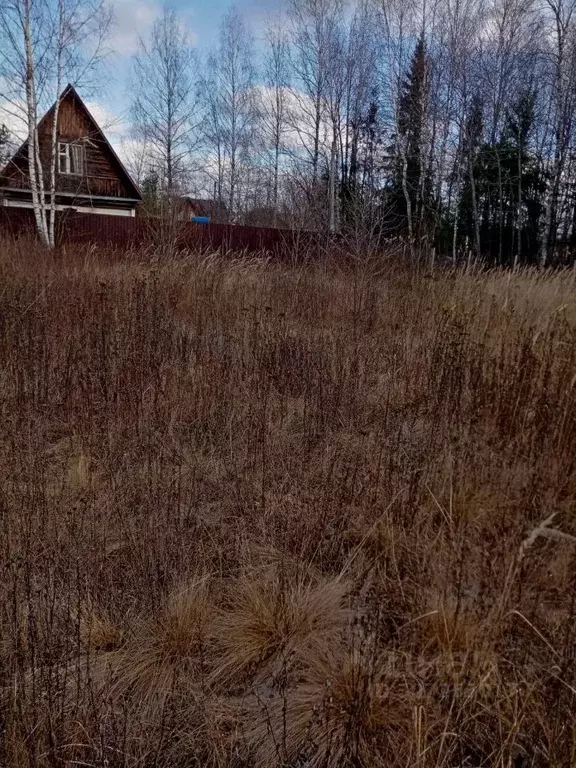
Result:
<point x="411" y="187"/>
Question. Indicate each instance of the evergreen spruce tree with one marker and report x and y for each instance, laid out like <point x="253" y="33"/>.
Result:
<point x="527" y="182"/>
<point x="510" y="187"/>
<point x="411" y="188"/>
<point x="359" y="190"/>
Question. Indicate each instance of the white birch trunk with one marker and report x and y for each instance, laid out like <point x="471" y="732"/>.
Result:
<point x="54" y="132"/>
<point x="474" y="208"/>
<point x="34" y="164"/>
<point x="332" y="187"/>
<point x="407" y="198"/>
<point x="550" y="208"/>
<point x="53" y="159"/>
<point x="456" y="221"/>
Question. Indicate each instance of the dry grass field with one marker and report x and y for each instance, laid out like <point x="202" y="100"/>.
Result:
<point x="258" y="516"/>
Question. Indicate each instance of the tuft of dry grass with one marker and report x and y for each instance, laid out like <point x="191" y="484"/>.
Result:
<point x="271" y="619"/>
<point x="347" y="708"/>
<point x="264" y="515"/>
<point x="164" y="653"/>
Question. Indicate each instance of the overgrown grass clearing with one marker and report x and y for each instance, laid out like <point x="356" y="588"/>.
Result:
<point x="254" y="515"/>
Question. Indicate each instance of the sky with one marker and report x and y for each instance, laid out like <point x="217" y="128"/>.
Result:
<point x="135" y="17"/>
<point x="109" y="103"/>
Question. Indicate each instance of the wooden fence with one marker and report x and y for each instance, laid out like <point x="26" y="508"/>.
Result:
<point x="127" y="233"/>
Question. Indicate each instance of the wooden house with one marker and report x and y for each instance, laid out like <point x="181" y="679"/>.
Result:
<point x="89" y="174"/>
<point x="190" y="207"/>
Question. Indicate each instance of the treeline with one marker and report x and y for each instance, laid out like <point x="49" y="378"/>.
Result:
<point x="450" y="122"/>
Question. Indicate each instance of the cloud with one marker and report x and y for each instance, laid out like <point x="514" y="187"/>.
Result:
<point x="258" y="13"/>
<point x="133" y="20"/>
<point x="298" y="132"/>
<point x="134" y="154"/>
<point x="118" y="132"/>
<point x="111" y="123"/>
<point x="13" y="117"/>
<point x="187" y="20"/>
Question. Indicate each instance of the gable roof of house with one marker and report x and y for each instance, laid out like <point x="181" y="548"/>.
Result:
<point x="71" y="93"/>
<point x="206" y="207"/>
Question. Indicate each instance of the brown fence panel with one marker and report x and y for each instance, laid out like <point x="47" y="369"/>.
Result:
<point x="136" y="232"/>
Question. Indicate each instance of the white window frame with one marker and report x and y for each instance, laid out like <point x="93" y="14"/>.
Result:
<point x="70" y="155"/>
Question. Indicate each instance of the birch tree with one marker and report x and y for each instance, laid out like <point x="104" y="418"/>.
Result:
<point x="312" y="28"/>
<point x="335" y="97"/>
<point x="360" y="90"/>
<point x="165" y="104"/>
<point x="230" y="109"/>
<point x="4" y="144"/>
<point x="274" y="104"/>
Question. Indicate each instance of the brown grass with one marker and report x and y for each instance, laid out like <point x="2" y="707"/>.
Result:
<point x="254" y="515"/>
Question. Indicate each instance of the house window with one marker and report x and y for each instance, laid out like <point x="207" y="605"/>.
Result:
<point x="71" y="158"/>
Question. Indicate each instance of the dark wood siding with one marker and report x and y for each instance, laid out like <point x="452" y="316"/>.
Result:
<point x="100" y="176"/>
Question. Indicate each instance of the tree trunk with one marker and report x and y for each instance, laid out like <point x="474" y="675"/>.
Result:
<point x="550" y="208"/>
<point x="34" y="166"/>
<point x="407" y="199"/>
<point x="275" y="186"/>
<point x="500" y="208"/>
<point x="332" y="186"/>
<point x="474" y="208"/>
<point x="54" y="136"/>
<point x="277" y="141"/>
<point x="53" y="160"/>
<point x="519" y="207"/>
<point x="315" y="156"/>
